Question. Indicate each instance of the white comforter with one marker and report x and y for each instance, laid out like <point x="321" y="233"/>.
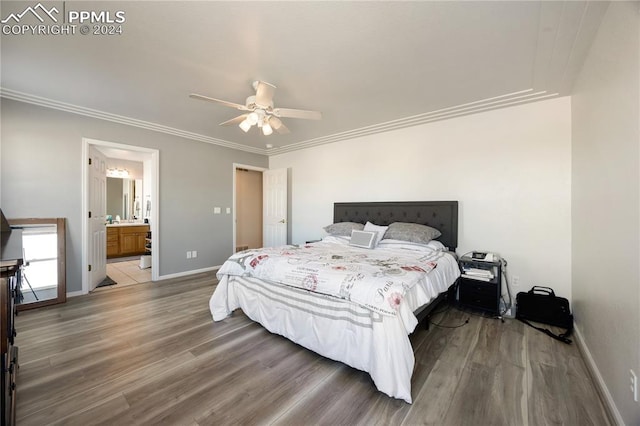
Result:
<point x="374" y="279"/>
<point x="371" y="339"/>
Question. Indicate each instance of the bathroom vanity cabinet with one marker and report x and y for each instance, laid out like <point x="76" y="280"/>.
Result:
<point x="126" y="240"/>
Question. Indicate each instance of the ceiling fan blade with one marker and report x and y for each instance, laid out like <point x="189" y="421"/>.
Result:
<point x="264" y="94"/>
<point x="297" y="113"/>
<point x="277" y="125"/>
<point x="225" y="103"/>
<point x="239" y="119"/>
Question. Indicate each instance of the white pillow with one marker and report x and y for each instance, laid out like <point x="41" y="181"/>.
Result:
<point x="336" y="239"/>
<point x="408" y="245"/>
<point x="437" y="245"/>
<point x="377" y="228"/>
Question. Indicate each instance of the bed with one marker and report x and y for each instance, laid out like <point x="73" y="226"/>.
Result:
<point x="351" y="304"/>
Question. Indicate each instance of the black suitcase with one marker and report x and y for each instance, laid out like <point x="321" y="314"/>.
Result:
<point x="540" y="304"/>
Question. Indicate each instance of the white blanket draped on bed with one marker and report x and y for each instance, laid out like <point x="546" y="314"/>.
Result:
<point x="375" y="339"/>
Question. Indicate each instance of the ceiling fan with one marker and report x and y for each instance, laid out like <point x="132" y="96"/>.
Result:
<point x="261" y="112"/>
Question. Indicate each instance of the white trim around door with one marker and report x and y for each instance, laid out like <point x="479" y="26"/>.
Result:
<point x="155" y="221"/>
<point x="237" y="166"/>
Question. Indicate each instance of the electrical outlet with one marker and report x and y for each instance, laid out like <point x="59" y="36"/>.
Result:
<point x="515" y="281"/>
<point x="188" y="255"/>
<point x="634" y="385"/>
<point x="194" y="254"/>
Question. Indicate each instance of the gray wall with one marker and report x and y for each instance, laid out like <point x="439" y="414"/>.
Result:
<point x="605" y="204"/>
<point x="41" y="173"/>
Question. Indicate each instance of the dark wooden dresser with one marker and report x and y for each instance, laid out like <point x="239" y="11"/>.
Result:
<point x="10" y="262"/>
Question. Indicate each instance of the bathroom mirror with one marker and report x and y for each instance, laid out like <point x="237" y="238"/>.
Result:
<point x="124" y="198"/>
<point x="43" y="276"/>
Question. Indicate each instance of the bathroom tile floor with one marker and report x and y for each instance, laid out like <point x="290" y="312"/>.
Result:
<point x="126" y="273"/>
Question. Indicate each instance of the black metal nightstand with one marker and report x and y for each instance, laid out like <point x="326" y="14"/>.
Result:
<point x="480" y="284"/>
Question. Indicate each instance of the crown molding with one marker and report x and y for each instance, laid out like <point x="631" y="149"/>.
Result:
<point x="509" y="99"/>
<point x="120" y="119"/>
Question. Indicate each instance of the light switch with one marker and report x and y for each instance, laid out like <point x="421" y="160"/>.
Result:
<point x="228" y="210"/>
<point x="216" y="210"/>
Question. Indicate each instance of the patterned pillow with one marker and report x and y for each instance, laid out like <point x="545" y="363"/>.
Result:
<point x="412" y="232"/>
<point x="376" y="228"/>
<point x="343" y="228"/>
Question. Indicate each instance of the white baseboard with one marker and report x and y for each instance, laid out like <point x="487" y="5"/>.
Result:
<point x="599" y="381"/>
<point x="163" y="277"/>
<point x="187" y="273"/>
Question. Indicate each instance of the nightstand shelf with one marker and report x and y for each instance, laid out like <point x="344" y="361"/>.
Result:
<point x="480" y="285"/>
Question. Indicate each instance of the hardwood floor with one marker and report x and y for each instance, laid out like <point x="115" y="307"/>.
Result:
<point x="150" y="354"/>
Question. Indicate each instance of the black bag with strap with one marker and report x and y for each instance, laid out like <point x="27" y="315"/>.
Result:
<point x="540" y="304"/>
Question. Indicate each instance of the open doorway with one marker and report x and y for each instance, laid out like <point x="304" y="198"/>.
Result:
<point x="247" y="201"/>
<point x="261" y="207"/>
<point x="131" y="229"/>
<point x="248" y="209"/>
<point x="128" y="238"/>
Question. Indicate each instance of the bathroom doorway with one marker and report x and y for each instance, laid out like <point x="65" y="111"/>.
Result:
<point x="132" y="230"/>
<point x="128" y="242"/>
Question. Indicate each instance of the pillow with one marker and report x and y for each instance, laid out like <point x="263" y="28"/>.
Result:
<point x="437" y="245"/>
<point x="336" y="239"/>
<point x="412" y="232"/>
<point x="364" y="239"/>
<point x="379" y="229"/>
<point x="431" y="246"/>
<point x="343" y="228"/>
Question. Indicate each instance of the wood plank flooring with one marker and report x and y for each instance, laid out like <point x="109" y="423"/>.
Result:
<point x="150" y="354"/>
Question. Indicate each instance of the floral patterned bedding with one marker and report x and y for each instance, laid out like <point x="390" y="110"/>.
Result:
<point x="375" y="279"/>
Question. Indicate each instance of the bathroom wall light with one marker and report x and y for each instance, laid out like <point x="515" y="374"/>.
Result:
<point x="118" y="173"/>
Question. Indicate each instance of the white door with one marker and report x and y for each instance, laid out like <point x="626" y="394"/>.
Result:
<point x="274" y="200"/>
<point x="97" y="218"/>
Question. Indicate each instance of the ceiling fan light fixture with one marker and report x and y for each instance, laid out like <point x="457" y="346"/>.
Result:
<point x="259" y="110"/>
<point x="245" y="125"/>
<point x="253" y="118"/>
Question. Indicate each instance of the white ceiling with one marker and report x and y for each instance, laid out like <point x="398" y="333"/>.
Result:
<point x="123" y="154"/>
<point x="367" y="66"/>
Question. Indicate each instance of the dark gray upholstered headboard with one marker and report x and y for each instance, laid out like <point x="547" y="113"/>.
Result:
<point x="442" y="215"/>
